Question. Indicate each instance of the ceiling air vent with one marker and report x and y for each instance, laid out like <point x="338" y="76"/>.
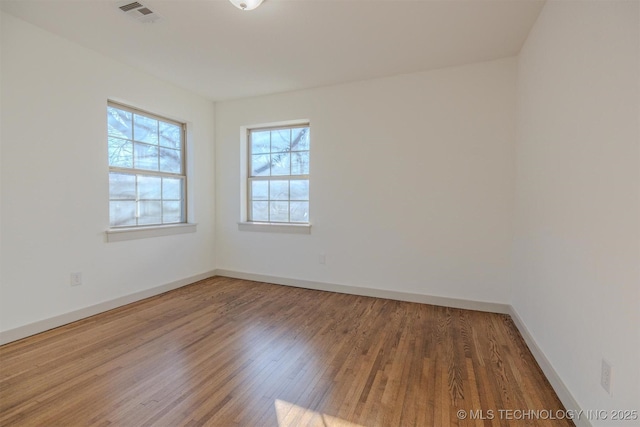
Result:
<point x="138" y="11"/>
<point x="128" y="7"/>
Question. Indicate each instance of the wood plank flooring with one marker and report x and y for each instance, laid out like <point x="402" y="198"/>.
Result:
<point x="227" y="352"/>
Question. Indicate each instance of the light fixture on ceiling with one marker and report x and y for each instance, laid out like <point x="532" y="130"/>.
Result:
<point x="246" y="4"/>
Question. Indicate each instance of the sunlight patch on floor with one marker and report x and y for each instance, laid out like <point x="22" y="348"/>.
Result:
<point x="290" y="415"/>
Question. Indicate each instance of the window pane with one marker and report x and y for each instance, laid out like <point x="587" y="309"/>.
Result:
<point x="260" y="165"/>
<point x="171" y="212"/>
<point x="299" y="211"/>
<point x="145" y="129"/>
<point x="138" y="142"/>
<point x="171" y="188"/>
<point x="120" y="153"/>
<point x="149" y="213"/>
<point x="170" y="135"/>
<point x="280" y="140"/>
<point x="259" y="190"/>
<point x="300" y="189"/>
<point x="260" y="211"/>
<point x="280" y="164"/>
<point x="279" y="190"/>
<point x="170" y="160"/>
<point x="300" y="163"/>
<point x="119" y="122"/>
<point x="122" y="213"/>
<point x="122" y="186"/>
<point x="260" y="142"/>
<point x="300" y="139"/>
<point x="277" y="154"/>
<point x="149" y="187"/>
<point x="279" y="211"/>
<point x="145" y="157"/>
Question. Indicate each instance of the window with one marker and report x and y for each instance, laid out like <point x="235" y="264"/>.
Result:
<point x="147" y="180"/>
<point x="278" y="179"/>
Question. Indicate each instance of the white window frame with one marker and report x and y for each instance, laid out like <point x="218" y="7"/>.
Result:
<point x="246" y="223"/>
<point x="138" y="231"/>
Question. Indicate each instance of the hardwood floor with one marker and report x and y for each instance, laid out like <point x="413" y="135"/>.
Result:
<point x="227" y="352"/>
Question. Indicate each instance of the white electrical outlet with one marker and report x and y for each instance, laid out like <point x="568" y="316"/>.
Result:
<point x="605" y="376"/>
<point x="76" y="279"/>
<point x="322" y="259"/>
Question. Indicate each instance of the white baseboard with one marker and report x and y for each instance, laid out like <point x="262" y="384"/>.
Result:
<point x="492" y="307"/>
<point x="72" y="316"/>
<point x="556" y="382"/>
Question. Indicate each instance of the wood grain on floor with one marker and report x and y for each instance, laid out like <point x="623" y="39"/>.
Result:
<point x="228" y="352"/>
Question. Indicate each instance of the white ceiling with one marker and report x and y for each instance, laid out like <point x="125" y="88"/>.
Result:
<point x="214" y="49"/>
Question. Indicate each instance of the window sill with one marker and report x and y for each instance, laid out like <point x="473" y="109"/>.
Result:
<point x="269" y="227"/>
<point x="133" y="233"/>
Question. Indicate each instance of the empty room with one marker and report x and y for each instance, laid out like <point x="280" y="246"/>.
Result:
<point x="333" y="213"/>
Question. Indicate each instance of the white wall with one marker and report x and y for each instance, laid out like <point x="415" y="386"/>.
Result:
<point x="412" y="186"/>
<point x="55" y="179"/>
<point x="577" y="243"/>
<point x="1" y="177"/>
<point x="411" y="183"/>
